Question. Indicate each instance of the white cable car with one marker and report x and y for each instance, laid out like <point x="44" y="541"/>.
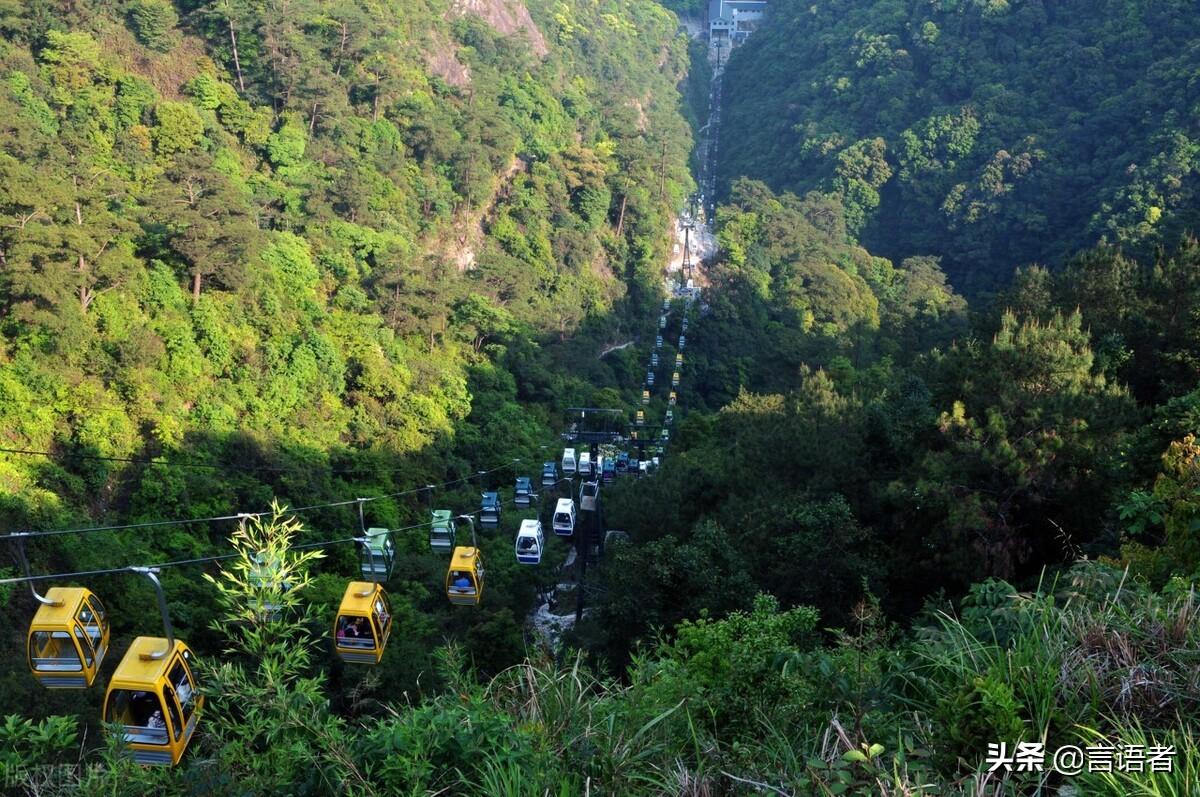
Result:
<point x="589" y="496"/>
<point x="585" y="463"/>
<point x="641" y="417"/>
<point x="675" y="379"/>
<point x="564" y="517"/>
<point x="650" y="378"/>
<point x="568" y="462"/>
<point x="653" y="359"/>
<point x="658" y="342"/>
<point x="670" y="416"/>
<point x="645" y="396"/>
<point x="682" y="341"/>
<point x="666" y="305"/>
<point x="530" y="542"/>
<point x="662" y="322"/>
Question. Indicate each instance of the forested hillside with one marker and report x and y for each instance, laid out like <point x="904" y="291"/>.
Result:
<point x="344" y="263"/>
<point x="990" y="133"/>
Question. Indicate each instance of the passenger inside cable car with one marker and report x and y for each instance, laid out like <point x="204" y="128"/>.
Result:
<point x="364" y="622"/>
<point x="465" y="577"/>
<point x="529" y="542"/>
<point x="152" y="698"/>
<point x="564" y="517"/>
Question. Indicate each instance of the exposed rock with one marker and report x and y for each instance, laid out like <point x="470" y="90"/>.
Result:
<point x="507" y="17"/>
<point x="442" y="61"/>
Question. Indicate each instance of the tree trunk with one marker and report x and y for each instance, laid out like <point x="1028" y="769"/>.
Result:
<point x="237" y="64"/>
<point x="621" y="215"/>
<point x="196" y="286"/>
<point x="375" y="107"/>
<point x="85" y="293"/>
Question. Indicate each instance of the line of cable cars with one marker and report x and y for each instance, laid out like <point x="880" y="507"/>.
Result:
<point x="152" y="698"/>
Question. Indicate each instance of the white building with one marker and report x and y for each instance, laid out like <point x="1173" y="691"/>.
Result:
<point x="734" y="19"/>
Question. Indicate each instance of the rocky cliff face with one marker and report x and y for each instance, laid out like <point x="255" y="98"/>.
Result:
<point x="507" y="16"/>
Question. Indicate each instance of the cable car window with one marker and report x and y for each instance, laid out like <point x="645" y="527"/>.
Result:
<point x="91" y="619"/>
<point x="85" y="645"/>
<point x="141" y="715"/>
<point x="182" y="681"/>
<point x="53" y="651"/>
<point x="382" y="616"/>
<point x="173" y="711"/>
<point x="355" y="632"/>
<point x="97" y="608"/>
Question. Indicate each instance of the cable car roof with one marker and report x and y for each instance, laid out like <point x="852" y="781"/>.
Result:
<point x="70" y="597"/>
<point x="137" y="668"/>
<point x="441" y="515"/>
<point x="564" y="505"/>
<point x="462" y="559"/>
<point x="353" y="601"/>
<point x="529" y="527"/>
<point x="376" y="538"/>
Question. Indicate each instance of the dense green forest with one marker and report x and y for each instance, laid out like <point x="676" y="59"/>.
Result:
<point x="988" y="132"/>
<point x="292" y="253"/>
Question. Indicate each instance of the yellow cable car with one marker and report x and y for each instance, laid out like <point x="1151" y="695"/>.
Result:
<point x="152" y="697"/>
<point x="464" y="577"/>
<point x="67" y="638"/>
<point x="69" y="634"/>
<point x="364" y="622"/>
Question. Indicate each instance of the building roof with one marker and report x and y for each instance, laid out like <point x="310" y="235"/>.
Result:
<point x="723" y="9"/>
